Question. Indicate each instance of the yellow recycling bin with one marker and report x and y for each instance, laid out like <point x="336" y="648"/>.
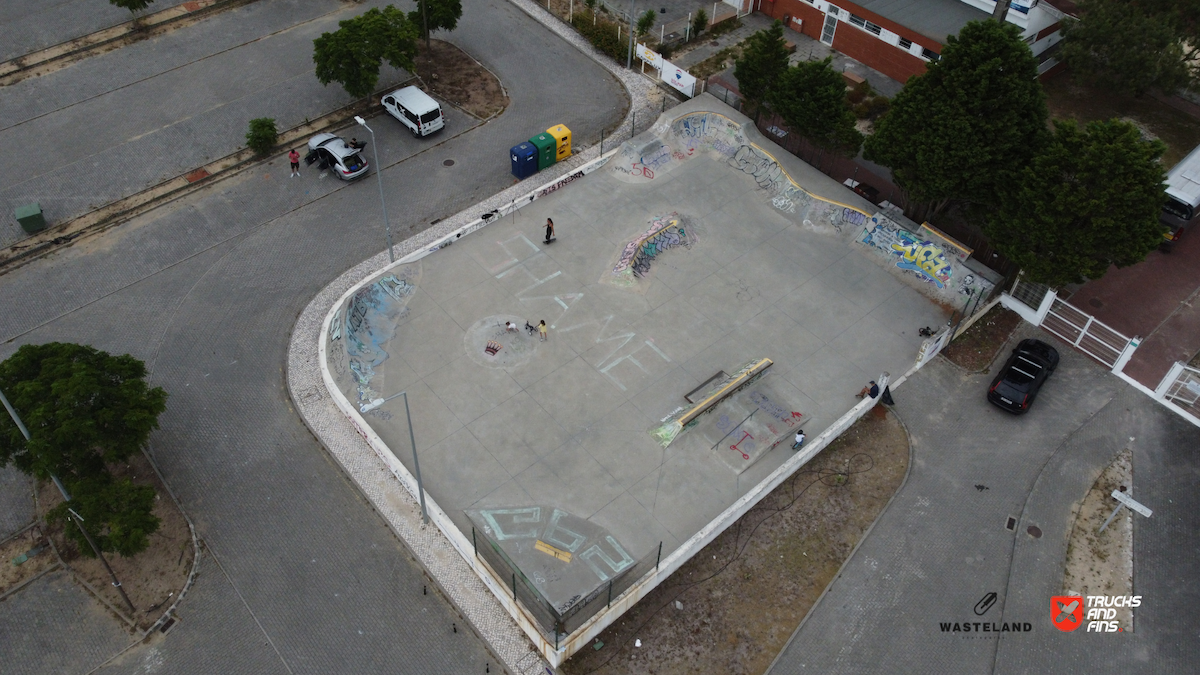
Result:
<point x="562" y="136"/>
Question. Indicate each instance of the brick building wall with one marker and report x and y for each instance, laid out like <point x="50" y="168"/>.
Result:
<point x="854" y="42"/>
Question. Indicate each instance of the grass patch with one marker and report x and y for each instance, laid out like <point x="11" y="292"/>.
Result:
<point x="977" y="347"/>
<point x="717" y="62"/>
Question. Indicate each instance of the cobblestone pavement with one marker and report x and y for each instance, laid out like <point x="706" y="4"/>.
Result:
<point x="207" y="289"/>
<point x="943" y="545"/>
<point x="92" y="138"/>
<point x="16" y="500"/>
<point x="27" y="27"/>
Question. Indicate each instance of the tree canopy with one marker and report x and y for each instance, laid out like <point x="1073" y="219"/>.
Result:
<point x="352" y="55"/>
<point x="965" y="127"/>
<point x="763" y="63"/>
<point x="442" y="15"/>
<point x="1089" y="200"/>
<point x="811" y="98"/>
<point x="1135" y="45"/>
<point x="646" y="21"/>
<point x="83" y="408"/>
<point x="131" y="5"/>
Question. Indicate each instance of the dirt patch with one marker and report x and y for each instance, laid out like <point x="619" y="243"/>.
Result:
<point x="452" y="75"/>
<point x="152" y="578"/>
<point x="23" y="557"/>
<point x="743" y="595"/>
<point x="1069" y="99"/>
<point x="977" y="347"/>
<point x="1102" y="564"/>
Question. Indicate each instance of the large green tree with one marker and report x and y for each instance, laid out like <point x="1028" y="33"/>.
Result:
<point x="964" y="128"/>
<point x="1089" y="200"/>
<point x="1134" y="45"/>
<point x="84" y="408"/>
<point x="134" y="6"/>
<point x="352" y="55"/>
<point x="432" y="15"/>
<point x="763" y="62"/>
<point x="811" y="98"/>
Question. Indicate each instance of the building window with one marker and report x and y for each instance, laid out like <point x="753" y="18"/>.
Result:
<point x="872" y="28"/>
<point x="1031" y="39"/>
<point x="905" y="44"/>
<point x="930" y="54"/>
<point x="858" y="21"/>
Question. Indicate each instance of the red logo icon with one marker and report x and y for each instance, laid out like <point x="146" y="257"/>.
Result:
<point x="1066" y="612"/>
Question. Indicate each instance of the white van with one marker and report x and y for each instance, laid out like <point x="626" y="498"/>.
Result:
<point x="416" y="110"/>
<point x="1183" y="196"/>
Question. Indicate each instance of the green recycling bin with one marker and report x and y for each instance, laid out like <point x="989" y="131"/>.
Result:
<point x="547" y="149"/>
<point x="30" y="217"/>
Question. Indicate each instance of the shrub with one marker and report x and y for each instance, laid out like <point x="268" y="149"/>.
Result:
<point x="262" y="135"/>
<point x="699" y="23"/>
<point x="858" y="92"/>
<point x="602" y="35"/>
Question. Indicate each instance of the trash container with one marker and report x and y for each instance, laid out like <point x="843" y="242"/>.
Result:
<point x="30" y="217"/>
<point x="547" y="149"/>
<point x="562" y="136"/>
<point x="524" y="160"/>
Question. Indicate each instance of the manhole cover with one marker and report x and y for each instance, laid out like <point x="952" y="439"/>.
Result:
<point x="448" y="162"/>
<point x="1034" y="531"/>
<point x="1095" y="302"/>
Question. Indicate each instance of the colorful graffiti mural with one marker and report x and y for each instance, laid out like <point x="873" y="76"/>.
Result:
<point x="369" y="321"/>
<point x="666" y="231"/>
<point x="924" y="258"/>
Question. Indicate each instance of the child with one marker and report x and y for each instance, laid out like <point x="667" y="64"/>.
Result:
<point x="799" y="440"/>
<point x="549" y="232"/>
<point x="542" y="330"/>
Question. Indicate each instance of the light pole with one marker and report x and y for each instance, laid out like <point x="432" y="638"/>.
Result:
<point x="379" y="176"/>
<point x="416" y="467"/>
<point x="78" y="519"/>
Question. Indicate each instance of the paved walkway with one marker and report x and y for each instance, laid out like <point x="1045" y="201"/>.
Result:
<point x="16" y="500"/>
<point x="942" y="544"/>
<point x="27" y="27"/>
<point x="1156" y="299"/>
<point x="207" y="289"/>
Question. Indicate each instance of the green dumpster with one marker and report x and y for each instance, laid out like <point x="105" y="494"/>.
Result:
<point x="547" y="149"/>
<point x="30" y="217"/>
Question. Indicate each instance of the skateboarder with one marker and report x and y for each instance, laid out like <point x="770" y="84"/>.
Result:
<point x="549" y="231"/>
<point x="799" y="440"/>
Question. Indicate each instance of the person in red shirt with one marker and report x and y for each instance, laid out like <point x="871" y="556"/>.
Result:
<point x="294" y="158"/>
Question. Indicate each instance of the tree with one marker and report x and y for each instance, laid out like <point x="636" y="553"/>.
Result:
<point x="262" y="135"/>
<point x="1133" y="46"/>
<point x="811" y="99"/>
<point x="83" y="407"/>
<point x="699" y="23"/>
<point x="131" y="5"/>
<point x="352" y="54"/>
<point x="965" y="127"/>
<point x="763" y="63"/>
<point x="440" y="15"/>
<point x="1090" y="199"/>
<point x="118" y="514"/>
<point x="645" y="22"/>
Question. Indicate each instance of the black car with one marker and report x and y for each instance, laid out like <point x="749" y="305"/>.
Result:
<point x="1018" y="382"/>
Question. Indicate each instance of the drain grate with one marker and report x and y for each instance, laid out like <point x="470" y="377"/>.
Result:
<point x="448" y="162"/>
<point x="1011" y="524"/>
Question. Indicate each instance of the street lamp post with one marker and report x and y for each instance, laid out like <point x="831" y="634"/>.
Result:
<point x="77" y="519"/>
<point x="416" y="467"/>
<point x="387" y="227"/>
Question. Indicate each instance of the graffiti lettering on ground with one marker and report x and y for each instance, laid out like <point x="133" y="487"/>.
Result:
<point x="923" y="258"/>
<point x="369" y="322"/>
<point x="665" y="232"/>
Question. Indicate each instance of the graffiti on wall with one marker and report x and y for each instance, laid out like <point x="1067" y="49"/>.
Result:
<point x="369" y="321"/>
<point x="921" y="257"/>
<point x="665" y="232"/>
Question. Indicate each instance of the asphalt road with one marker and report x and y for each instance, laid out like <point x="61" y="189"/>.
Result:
<point x="300" y="575"/>
<point x="942" y="544"/>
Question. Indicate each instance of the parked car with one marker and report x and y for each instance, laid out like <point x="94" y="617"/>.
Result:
<point x="334" y="153"/>
<point x="1018" y="382"/>
<point x="415" y="109"/>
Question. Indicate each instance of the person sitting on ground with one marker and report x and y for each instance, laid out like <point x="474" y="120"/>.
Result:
<point x="510" y="326"/>
<point x="872" y="389"/>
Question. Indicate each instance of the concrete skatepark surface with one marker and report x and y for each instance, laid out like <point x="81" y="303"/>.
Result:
<point x="760" y="271"/>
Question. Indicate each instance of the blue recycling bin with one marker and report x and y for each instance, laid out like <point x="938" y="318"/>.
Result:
<point x="524" y="160"/>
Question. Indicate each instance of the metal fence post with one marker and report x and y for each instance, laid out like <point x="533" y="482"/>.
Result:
<point x="514" y="586"/>
<point x="659" y="558"/>
<point x="610" y="593"/>
<point x="474" y="544"/>
<point x="633" y="125"/>
<point x="601" y="142"/>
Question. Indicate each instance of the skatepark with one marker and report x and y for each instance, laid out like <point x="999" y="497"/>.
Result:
<point x="706" y="296"/>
